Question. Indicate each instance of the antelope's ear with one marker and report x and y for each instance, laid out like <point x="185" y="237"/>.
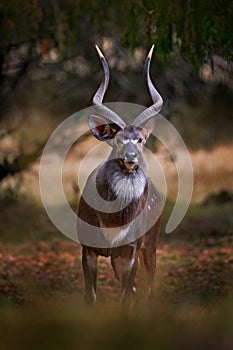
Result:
<point x="149" y="126"/>
<point x="101" y="129"/>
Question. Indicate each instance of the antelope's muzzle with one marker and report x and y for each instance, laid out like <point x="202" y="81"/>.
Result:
<point x="130" y="161"/>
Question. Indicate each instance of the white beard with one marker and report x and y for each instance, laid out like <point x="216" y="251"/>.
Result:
<point x="128" y="188"/>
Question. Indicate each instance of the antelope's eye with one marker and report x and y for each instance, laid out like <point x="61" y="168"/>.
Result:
<point x="140" y="140"/>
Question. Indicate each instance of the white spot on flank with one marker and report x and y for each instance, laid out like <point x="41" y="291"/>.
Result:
<point x="125" y="142"/>
<point x="148" y="207"/>
<point x="134" y="141"/>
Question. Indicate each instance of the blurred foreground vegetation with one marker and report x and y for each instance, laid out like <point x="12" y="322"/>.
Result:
<point x="71" y="326"/>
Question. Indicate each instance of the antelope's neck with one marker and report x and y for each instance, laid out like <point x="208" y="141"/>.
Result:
<point x="113" y="182"/>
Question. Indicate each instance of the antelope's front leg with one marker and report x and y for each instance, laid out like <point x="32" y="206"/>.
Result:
<point x="130" y="266"/>
<point x="89" y="263"/>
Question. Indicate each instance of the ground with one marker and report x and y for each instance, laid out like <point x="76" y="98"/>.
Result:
<point x="41" y="293"/>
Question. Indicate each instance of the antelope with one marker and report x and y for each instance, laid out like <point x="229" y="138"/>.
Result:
<point x="123" y="221"/>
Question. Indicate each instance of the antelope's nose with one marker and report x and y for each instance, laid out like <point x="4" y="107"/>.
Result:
<point x="131" y="157"/>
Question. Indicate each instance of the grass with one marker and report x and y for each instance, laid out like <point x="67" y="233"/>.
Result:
<point x="65" y="327"/>
<point x="41" y="295"/>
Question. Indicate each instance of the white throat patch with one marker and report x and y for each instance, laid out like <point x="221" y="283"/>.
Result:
<point x="127" y="188"/>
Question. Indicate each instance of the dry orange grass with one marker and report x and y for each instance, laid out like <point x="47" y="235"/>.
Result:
<point x="213" y="170"/>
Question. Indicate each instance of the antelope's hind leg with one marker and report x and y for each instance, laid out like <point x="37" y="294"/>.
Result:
<point x="147" y="255"/>
<point x="148" y="260"/>
<point x="125" y="267"/>
<point x="89" y="263"/>
<point x="118" y="266"/>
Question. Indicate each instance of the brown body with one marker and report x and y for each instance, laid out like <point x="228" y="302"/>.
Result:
<point x="122" y="220"/>
<point x="124" y="260"/>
